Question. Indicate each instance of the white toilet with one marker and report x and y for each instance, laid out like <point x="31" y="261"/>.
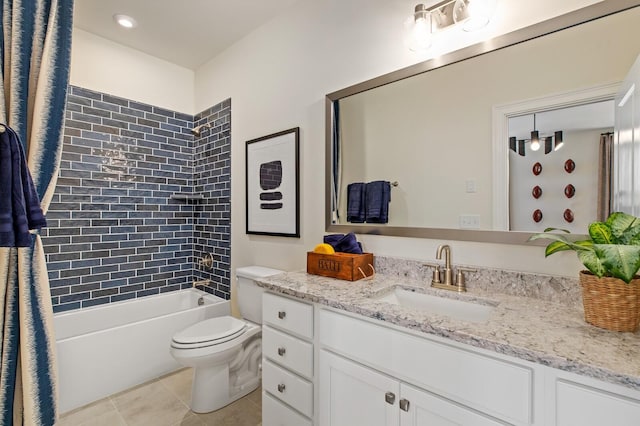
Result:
<point x="225" y="352"/>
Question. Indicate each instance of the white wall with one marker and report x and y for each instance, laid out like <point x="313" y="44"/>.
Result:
<point x="102" y="65"/>
<point x="277" y="78"/>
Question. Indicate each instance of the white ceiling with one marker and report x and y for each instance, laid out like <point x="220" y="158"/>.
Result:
<point x="598" y="115"/>
<point x="184" y="32"/>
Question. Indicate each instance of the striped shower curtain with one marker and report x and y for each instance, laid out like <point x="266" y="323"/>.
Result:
<point x="35" y="53"/>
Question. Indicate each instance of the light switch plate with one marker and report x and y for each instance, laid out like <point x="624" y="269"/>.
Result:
<point x="469" y="221"/>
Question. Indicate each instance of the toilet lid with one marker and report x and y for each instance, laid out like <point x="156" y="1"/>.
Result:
<point x="210" y="330"/>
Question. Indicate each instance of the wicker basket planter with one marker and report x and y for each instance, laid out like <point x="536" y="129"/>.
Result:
<point x="610" y="303"/>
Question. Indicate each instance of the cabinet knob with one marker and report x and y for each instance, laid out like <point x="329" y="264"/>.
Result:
<point x="282" y="314"/>
<point x="404" y="404"/>
<point x="282" y="351"/>
<point x="390" y="397"/>
<point x="281" y="387"/>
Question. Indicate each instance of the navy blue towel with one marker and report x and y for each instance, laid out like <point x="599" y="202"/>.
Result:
<point x="20" y="208"/>
<point x="356" y="202"/>
<point x="378" y="196"/>
<point x="344" y="243"/>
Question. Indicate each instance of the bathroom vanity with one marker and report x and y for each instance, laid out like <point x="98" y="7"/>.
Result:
<point x="343" y="353"/>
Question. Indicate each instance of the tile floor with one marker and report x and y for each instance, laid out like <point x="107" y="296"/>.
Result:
<point x="163" y="402"/>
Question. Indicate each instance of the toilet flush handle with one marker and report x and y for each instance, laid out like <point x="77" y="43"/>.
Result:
<point x="282" y="314"/>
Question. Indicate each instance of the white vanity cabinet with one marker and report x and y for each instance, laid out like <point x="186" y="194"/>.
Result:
<point x="352" y="395"/>
<point x="287" y="362"/>
<point x="577" y="400"/>
<point x="371" y="374"/>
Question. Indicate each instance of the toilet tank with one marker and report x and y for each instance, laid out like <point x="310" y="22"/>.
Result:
<point x="249" y="294"/>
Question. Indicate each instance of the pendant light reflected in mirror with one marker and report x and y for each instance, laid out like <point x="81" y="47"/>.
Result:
<point x="551" y="143"/>
<point x="535" y="138"/>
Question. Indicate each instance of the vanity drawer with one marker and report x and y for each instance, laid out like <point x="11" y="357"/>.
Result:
<point x="288" y="387"/>
<point x="275" y="413"/>
<point x="288" y="315"/>
<point x="288" y="351"/>
<point x="493" y="386"/>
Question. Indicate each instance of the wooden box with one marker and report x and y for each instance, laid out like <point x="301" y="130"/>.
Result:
<point x="343" y="266"/>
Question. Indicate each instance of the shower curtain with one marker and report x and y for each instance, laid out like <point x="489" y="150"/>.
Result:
<point x="605" y="164"/>
<point x="35" y="56"/>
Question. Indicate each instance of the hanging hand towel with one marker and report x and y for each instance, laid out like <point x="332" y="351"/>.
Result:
<point x="377" y="196"/>
<point x="355" y="202"/>
<point x="20" y="208"/>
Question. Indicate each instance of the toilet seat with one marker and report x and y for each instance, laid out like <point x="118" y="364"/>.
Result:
<point x="211" y="332"/>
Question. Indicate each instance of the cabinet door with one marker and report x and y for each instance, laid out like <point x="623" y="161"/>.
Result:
<point x="579" y="404"/>
<point x="353" y="395"/>
<point x="420" y="408"/>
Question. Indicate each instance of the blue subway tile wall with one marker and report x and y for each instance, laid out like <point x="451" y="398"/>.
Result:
<point x="115" y="231"/>
<point x="212" y="179"/>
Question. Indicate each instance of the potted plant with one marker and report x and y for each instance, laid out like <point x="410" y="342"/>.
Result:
<point x="610" y="287"/>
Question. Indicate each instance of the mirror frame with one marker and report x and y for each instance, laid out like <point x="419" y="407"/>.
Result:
<point x="571" y="19"/>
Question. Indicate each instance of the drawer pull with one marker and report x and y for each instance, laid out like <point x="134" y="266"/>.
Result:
<point x="390" y="397"/>
<point x="282" y="314"/>
<point x="281" y="387"/>
<point x="281" y="351"/>
<point x="404" y="404"/>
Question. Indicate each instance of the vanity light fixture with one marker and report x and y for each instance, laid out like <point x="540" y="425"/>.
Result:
<point x="125" y="21"/>
<point x="472" y="15"/>
<point x="418" y="29"/>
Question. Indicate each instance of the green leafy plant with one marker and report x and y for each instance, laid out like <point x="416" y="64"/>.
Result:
<point x="612" y="250"/>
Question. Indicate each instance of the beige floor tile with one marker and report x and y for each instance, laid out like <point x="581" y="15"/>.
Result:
<point x="190" y="419"/>
<point x="180" y="384"/>
<point x="112" y="418"/>
<point x="256" y="397"/>
<point x="242" y="412"/>
<point x="163" y="402"/>
<point x="150" y="405"/>
<point x="87" y="413"/>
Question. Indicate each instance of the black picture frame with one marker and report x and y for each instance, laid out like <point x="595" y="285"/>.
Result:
<point x="272" y="184"/>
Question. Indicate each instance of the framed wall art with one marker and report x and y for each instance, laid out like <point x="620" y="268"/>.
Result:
<point x="272" y="184"/>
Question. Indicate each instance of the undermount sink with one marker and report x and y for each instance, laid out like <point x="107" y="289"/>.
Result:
<point x="458" y="309"/>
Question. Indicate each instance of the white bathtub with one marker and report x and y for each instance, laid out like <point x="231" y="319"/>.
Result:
<point x="106" y="349"/>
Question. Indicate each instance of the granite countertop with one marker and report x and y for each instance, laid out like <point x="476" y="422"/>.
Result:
<point x="535" y="330"/>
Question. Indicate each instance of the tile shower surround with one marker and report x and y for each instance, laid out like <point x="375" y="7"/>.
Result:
<point x="114" y="231"/>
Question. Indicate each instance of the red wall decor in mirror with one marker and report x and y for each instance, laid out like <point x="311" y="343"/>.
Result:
<point x="537" y="215"/>
<point x="569" y="166"/>
<point x="568" y="215"/>
<point x="569" y="191"/>
<point x="536" y="192"/>
<point x="537" y="169"/>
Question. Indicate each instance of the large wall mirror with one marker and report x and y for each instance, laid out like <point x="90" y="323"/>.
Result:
<point x="431" y="128"/>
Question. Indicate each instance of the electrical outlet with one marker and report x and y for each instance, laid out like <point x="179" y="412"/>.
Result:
<point x="469" y="221"/>
<point x="470" y="185"/>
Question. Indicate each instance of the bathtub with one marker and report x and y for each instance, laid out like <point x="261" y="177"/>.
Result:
<point x="107" y="349"/>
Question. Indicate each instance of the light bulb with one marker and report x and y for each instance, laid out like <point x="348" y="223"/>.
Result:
<point x="480" y="12"/>
<point x="535" y="141"/>
<point x="418" y="30"/>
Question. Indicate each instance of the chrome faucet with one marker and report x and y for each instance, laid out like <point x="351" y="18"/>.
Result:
<point x="448" y="273"/>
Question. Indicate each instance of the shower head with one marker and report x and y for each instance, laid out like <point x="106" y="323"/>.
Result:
<point x="197" y="131"/>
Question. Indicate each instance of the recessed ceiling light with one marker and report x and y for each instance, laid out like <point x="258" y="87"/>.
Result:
<point x="125" y="21"/>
